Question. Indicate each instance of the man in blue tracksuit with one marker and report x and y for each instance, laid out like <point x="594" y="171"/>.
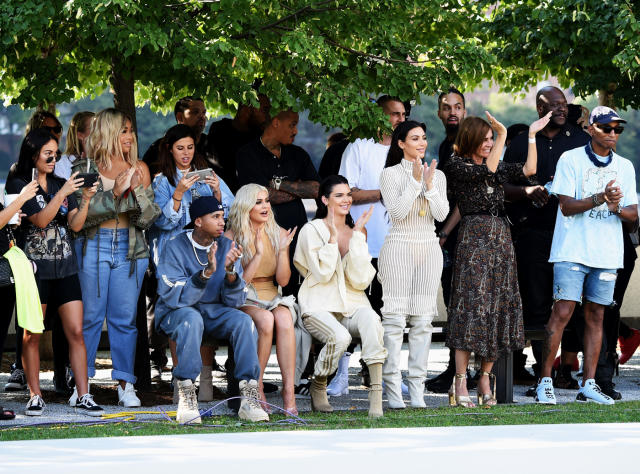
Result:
<point x="200" y="286"/>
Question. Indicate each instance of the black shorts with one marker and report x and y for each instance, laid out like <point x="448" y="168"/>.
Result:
<point x="60" y="291"/>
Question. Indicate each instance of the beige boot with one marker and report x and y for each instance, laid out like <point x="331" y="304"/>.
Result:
<point x="250" y="408"/>
<point x="205" y="392"/>
<point x="187" y="404"/>
<point x="319" y="400"/>
<point x="375" y="391"/>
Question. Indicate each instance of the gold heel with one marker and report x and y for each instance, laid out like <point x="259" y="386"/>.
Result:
<point x="459" y="400"/>
<point x="488" y="399"/>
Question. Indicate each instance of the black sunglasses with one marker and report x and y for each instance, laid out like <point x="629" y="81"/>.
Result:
<point x="56" y="129"/>
<point x="606" y="129"/>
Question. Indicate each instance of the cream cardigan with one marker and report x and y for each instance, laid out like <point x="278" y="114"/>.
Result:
<point x="332" y="283"/>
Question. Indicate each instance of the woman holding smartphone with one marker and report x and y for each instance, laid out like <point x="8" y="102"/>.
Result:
<point x="50" y="215"/>
<point x="111" y="249"/>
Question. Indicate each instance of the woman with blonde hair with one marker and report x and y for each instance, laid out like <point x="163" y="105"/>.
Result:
<point x="79" y="129"/>
<point x="111" y="249"/>
<point x="266" y="268"/>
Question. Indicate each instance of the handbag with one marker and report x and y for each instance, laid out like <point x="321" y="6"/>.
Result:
<point x="6" y="274"/>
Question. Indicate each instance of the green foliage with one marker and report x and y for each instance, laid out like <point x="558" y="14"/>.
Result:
<point x="589" y="45"/>
<point x="326" y="56"/>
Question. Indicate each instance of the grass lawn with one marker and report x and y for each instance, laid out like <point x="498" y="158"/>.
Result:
<point x="623" y="412"/>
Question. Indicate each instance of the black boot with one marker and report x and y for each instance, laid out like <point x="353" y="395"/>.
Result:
<point x="441" y="383"/>
<point x="521" y="376"/>
<point x="364" y="373"/>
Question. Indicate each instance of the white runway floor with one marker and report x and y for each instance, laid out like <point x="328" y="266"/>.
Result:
<point x="548" y="449"/>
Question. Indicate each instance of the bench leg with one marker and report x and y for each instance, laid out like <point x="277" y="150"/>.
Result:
<point x="503" y="370"/>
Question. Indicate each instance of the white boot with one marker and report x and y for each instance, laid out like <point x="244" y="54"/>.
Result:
<point x="340" y="383"/>
<point x="250" y="408"/>
<point x="419" y="344"/>
<point x="416" y="392"/>
<point x="393" y="325"/>
<point x="187" y="404"/>
<point x="205" y="392"/>
<point x="128" y="397"/>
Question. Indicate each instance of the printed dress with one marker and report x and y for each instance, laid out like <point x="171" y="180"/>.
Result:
<point x="485" y="311"/>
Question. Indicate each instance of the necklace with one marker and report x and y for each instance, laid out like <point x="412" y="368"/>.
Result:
<point x="196" y="253"/>
<point x="269" y="150"/>
<point x="596" y="161"/>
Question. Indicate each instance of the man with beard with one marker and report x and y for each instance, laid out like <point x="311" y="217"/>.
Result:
<point x="190" y="111"/>
<point x="596" y="189"/>
<point x="227" y="136"/>
<point x="451" y="111"/>
<point x="273" y="161"/>
<point x="533" y="213"/>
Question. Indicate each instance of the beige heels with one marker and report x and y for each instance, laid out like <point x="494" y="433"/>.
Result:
<point x="488" y="399"/>
<point x="459" y="400"/>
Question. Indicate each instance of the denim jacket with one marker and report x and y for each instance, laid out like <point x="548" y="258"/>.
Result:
<point x="171" y="222"/>
<point x="138" y="205"/>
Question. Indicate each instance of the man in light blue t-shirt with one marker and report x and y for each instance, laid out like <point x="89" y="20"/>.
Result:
<point x="596" y="189"/>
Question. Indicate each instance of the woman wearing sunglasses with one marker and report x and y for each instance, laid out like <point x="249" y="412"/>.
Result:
<point x="46" y="120"/>
<point x="46" y="241"/>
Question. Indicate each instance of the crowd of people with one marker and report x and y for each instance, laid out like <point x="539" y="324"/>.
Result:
<point x="521" y="227"/>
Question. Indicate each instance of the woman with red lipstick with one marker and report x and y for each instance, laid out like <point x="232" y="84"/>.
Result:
<point x="485" y="312"/>
<point x="50" y="216"/>
<point x="266" y="270"/>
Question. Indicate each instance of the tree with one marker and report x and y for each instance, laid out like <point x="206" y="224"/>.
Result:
<point x="592" y="46"/>
<point x="326" y="56"/>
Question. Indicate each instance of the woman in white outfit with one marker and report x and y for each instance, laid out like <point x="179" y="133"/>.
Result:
<point x="333" y="257"/>
<point x="410" y="261"/>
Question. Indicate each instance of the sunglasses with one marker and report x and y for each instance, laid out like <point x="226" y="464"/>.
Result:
<point x="606" y="129"/>
<point x="56" y="129"/>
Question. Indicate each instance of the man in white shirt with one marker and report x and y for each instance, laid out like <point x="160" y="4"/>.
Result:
<point x="597" y="191"/>
<point x="362" y="163"/>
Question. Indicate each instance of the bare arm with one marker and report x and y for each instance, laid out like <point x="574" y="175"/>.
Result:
<point x="365" y="196"/>
<point x="531" y="164"/>
<point x="301" y="189"/>
<point x="496" y="152"/>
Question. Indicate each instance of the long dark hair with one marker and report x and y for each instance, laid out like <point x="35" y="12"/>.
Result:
<point x="166" y="164"/>
<point x="400" y="134"/>
<point x="326" y="186"/>
<point x="29" y="151"/>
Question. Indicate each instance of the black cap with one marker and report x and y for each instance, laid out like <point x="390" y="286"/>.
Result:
<point x="202" y="206"/>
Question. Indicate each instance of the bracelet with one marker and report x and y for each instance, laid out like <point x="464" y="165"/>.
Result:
<point x="532" y="140"/>
<point x="203" y="276"/>
<point x="595" y="200"/>
<point x="618" y="209"/>
<point x="442" y="234"/>
<point x="175" y="198"/>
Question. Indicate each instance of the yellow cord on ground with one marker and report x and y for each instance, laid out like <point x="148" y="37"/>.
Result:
<point x="131" y="415"/>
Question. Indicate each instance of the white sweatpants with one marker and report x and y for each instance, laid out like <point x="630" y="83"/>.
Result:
<point x="335" y="332"/>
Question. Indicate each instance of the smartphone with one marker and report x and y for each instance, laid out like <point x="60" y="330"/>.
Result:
<point x="89" y="179"/>
<point x="202" y="174"/>
<point x="34" y="174"/>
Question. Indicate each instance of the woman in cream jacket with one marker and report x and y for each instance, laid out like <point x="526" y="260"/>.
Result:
<point x="333" y="258"/>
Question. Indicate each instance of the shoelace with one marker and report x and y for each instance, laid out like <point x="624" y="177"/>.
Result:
<point x="87" y="400"/>
<point x="253" y="401"/>
<point x="192" y="402"/>
<point x="599" y="391"/>
<point x="36" y="400"/>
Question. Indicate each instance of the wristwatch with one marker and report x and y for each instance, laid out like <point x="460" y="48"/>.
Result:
<point x="442" y="234"/>
<point x="276" y="183"/>
<point x="618" y="209"/>
<point x="231" y="272"/>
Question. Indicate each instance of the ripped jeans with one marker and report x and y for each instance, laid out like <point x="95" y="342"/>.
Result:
<point x="577" y="282"/>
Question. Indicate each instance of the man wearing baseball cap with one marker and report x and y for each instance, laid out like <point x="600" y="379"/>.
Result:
<point x="200" y="286"/>
<point x="596" y="189"/>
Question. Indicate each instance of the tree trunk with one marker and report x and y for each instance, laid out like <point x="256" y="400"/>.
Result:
<point x="122" y="81"/>
<point x="605" y="96"/>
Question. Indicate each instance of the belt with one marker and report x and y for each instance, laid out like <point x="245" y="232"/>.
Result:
<point x="498" y="213"/>
<point x="262" y="279"/>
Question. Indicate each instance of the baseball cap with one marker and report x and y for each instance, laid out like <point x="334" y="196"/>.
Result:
<point x="602" y="114"/>
<point x="202" y="206"/>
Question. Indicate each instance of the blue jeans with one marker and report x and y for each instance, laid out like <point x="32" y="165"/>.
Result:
<point x="574" y="281"/>
<point x="108" y="290"/>
<point x="186" y="326"/>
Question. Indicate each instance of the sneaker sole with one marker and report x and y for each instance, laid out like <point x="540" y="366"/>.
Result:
<point x="580" y="398"/>
<point x="134" y="405"/>
<point x="33" y="413"/>
<point x="83" y="411"/>
<point x="545" y="403"/>
<point x="14" y="387"/>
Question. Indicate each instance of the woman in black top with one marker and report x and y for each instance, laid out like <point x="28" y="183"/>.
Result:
<point x="46" y="241"/>
<point x="485" y="311"/>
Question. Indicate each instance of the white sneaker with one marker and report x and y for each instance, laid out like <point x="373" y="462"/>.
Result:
<point x="544" y="392"/>
<point x="73" y="399"/>
<point x="127" y="397"/>
<point x="250" y="408"/>
<point x="35" y="406"/>
<point x="187" y="405"/>
<point x="590" y="392"/>
<point x="87" y="406"/>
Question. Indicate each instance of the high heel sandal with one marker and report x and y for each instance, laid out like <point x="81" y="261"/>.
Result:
<point x="461" y="400"/>
<point x="487" y="399"/>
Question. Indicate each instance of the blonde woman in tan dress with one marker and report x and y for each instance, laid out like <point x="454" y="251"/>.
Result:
<point x="266" y="268"/>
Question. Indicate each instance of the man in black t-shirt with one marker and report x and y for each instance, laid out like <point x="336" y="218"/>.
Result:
<point x="533" y="211"/>
<point x="451" y="111"/>
<point x="286" y="170"/>
<point x="227" y="136"/>
<point x="191" y="112"/>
